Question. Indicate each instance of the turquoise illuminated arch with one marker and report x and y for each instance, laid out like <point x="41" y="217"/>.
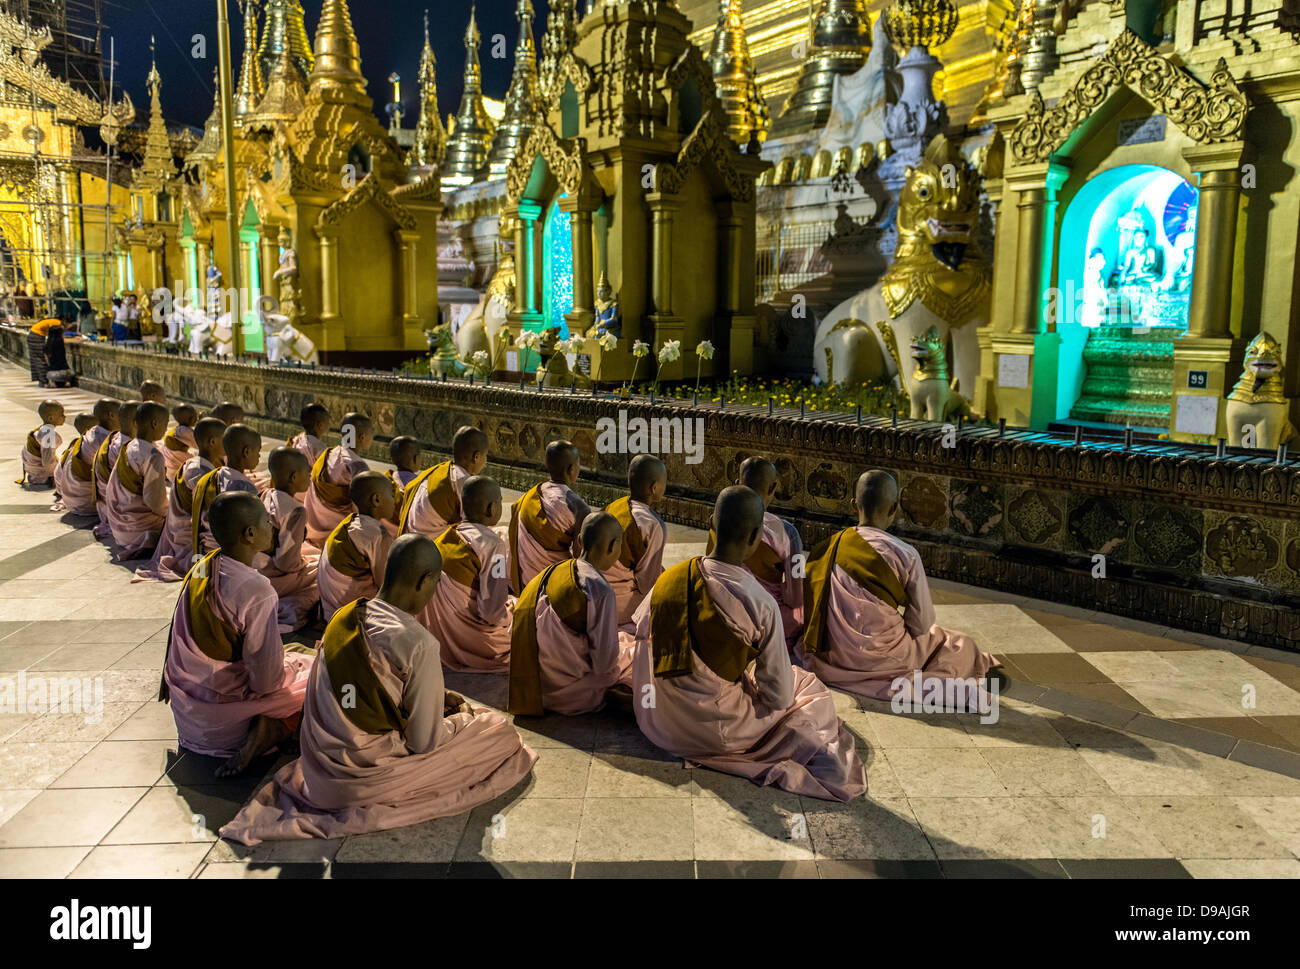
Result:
<point x="557" y="266"/>
<point x="252" y="277"/>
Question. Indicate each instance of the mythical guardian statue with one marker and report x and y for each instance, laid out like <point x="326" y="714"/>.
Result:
<point x="938" y="280"/>
<point x="934" y="398"/>
<point x="1258" y="399"/>
<point x="554" y="370"/>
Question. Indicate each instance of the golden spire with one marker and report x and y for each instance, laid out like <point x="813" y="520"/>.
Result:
<point x="430" y="135"/>
<point x="471" y="140"/>
<point x="561" y="34"/>
<point x="338" y="55"/>
<point x="158" y="167"/>
<point x="285" y="95"/>
<point x="841" y="39"/>
<point x="285" y="30"/>
<point x="250" y="86"/>
<point x="521" y="100"/>
<point x="733" y="72"/>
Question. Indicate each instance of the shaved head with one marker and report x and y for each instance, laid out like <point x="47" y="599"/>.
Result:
<point x="208" y="430"/>
<point x="876" y="492"/>
<point x="185" y="414"/>
<point x="232" y="512"/>
<point x="105" y="408"/>
<point x="361" y="422"/>
<point x="411" y="573"/>
<point x="759" y="474"/>
<point x="560" y="456"/>
<point x="737" y="515"/>
<point x="643" y="473"/>
<point x="467" y="441"/>
<point x="48" y="410"/>
<point x="84" y="422"/>
<point x="239" y="437"/>
<point x="314" y="417"/>
<point x="126" y="416"/>
<point x="152" y="390"/>
<point x="599" y="529"/>
<point x="477" y="495"/>
<point x="368" y="484"/>
<point x="284" y="461"/>
<point x="404" y="450"/>
<point x="150" y="420"/>
<point x="228" y="413"/>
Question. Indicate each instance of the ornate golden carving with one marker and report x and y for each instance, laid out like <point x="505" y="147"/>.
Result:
<point x="1205" y="114"/>
<point x="1261" y="374"/>
<point x="368" y="191"/>
<point x="564" y="157"/>
<point x="937" y="260"/>
<point x="709" y="140"/>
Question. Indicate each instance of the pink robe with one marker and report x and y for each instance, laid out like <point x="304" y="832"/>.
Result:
<point x="215" y="702"/>
<point x="291" y="566"/>
<point x="175" y="460"/>
<point x="564" y="509"/>
<point x="342" y="465"/>
<point x="473" y="625"/>
<point x="41" y="470"/>
<point x="373" y="541"/>
<point x="631" y="586"/>
<point x="79" y="496"/>
<point x="777" y="725"/>
<point x="870" y="645"/>
<point x="103" y="530"/>
<point x="423" y="518"/>
<point x="228" y="479"/>
<point x="308" y="444"/>
<point x="577" y="668"/>
<point x="348" y="781"/>
<point x="136" y="521"/>
<point x="174" y="556"/>
<point x="783" y="538"/>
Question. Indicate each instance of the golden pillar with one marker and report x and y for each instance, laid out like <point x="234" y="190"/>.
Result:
<point x="1204" y="355"/>
<point x="666" y="325"/>
<point x="521" y="253"/>
<point x="411" y="323"/>
<point x="269" y="240"/>
<point x="1037" y="186"/>
<point x="330" y="322"/>
<point x="583" y="313"/>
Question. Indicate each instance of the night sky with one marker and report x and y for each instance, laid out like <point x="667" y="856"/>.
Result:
<point x="390" y="33"/>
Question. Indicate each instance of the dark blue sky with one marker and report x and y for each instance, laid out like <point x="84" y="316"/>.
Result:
<point x="390" y="33"/>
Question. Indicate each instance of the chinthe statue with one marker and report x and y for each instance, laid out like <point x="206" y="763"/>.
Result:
<point x="1257" y="407"/>
<point x="938" y="279"/>
<point x="554" y="370"/>
<point x="934" y="397"/>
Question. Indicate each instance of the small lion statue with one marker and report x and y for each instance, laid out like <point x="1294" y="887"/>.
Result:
<point x="444" y="361"/>
<point x="554" y="369"/>
<point x="1257" y="402"/>
<point x="933" y="397"/>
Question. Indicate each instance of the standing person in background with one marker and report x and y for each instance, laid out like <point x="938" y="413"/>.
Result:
<point x="36" y="348"/>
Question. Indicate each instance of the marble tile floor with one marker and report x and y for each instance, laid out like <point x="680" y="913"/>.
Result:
<point x="1124" y="750"/>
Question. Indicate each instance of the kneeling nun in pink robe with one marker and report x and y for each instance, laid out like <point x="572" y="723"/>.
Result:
<point x="377" y="749"/>
<point x="352" y="564"/>
<point x="713" y="684"/>
<point x="135" y="502"/>
<point x="470" y="611"/>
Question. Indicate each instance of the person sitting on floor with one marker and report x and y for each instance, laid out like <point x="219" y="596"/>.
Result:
<point x="174" y="555"/>
<point x="243" y="451"/>
<point x="857" y="581"/>
<point x="405" y="453"/>
<point x="327" y="499"/>
<point x="712" y="680"/>
<point x="79" y="486"/>
<point x="641" y="561"/>
<point x="106" y="460"/>
<point x="431" y="501"/>
<point x="565" y="652"/>
<point x="179" y="442"/>
<point x="352" y="564"/>
<point x="83" y="422"/>
<point x="545" y="521"/>
<point x="234" y="690"/>
<point x="40" y="454"/>
<point x="315" y="421"/>
<point x="292" y="563"/>
<point x="384" y="744"/>
<point x="470" y="612"/>
<point x="135" y="501"/>
<point x="778" y="561"/>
